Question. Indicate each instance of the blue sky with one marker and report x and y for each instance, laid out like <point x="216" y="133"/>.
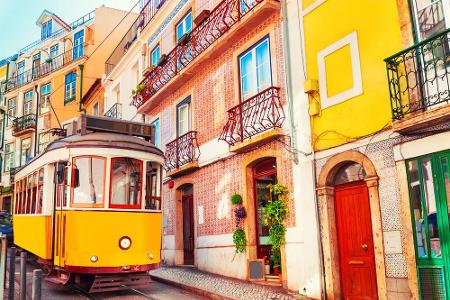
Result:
<point x="18" y="18"/>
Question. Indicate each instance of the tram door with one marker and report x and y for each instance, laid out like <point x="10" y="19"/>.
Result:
<point x="61" y="193"/>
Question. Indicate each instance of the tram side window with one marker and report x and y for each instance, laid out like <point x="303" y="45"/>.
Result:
<point x="29" y="193"/>
<point x="126" y="177"/>
<point x="153" y="186"/>
<point x="91" y="180"/>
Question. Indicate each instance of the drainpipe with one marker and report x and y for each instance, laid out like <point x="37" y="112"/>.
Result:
<point x="80" y="106"/>
<point x="287" y="66"/>
<point x="36" y="115"/>
<point x="290" y="98"/>
<point x="4" y="116"/>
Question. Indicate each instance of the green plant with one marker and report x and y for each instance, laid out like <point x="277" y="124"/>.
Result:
<point x="236" y="199"/>
<point x="275" y="213"/>
<point x="139" y="88"/>
<point x="239" y="240"/>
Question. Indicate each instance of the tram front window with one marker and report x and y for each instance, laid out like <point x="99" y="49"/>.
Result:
<point x="91" y="177"/>
<point x="153" y="186"/>
<point x="126" y="174"/>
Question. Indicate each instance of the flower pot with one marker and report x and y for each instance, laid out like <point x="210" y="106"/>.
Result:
<point x="276" y="271"/>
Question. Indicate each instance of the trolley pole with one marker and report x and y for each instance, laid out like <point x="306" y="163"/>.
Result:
<point x="37" y="285"/>
<point x="23" y="275"/>
<point x="2" y="265"/>
<point x="12" y="272"/>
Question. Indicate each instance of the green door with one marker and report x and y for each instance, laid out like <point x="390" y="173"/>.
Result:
<point x="429" y="185"/>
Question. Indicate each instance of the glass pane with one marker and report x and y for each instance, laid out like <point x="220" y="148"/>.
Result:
<point x="417" y="209"/>
<point x="248" y="76"/>
<point x="126" y="174"/>
<point x="430" y="199"/>
<point x="180" y="31"/>
<point x="263" y="66"/>
<point x="350" y="173"/>
<point x="153" y="186"/>
<point x="445" y="166"/>
<point x="91" y="180"/>
<point x="262" y="197"/>
<point x="183" y="119"/>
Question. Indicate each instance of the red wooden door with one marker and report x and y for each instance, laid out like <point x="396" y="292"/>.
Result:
<point x="188" y="229"/>
<point x="354" y="230"/>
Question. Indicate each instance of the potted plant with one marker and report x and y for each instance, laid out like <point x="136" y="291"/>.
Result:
<point x="49" y="60"/>
<point x="239" y="238"/>
<point x="184" y="39"/>
<point x="275" y="213"/>
<point x="162" y="60"/>
<point x="139" y="88"/>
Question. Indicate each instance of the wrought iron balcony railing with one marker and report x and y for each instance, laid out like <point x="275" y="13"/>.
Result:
<point x="147" y="13"/>
<point x="221" y="19"/>
<point x="23" y="123"/>
<point x="253" y="116"/>
<point x="182" y="151"/>
<point x="50" y="65"/>
<point x="419" y="77"/>
<point x="115" y="112"/>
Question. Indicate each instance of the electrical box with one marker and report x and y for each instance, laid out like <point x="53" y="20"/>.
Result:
<point x="311" y="86"/>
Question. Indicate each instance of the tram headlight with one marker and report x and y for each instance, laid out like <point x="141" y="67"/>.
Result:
<point x="94" y="258"/>
<point x="125" y="243"/>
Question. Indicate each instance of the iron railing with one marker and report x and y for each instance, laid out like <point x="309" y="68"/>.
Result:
<point x="115" y="112"/>
<point x="81" y="21"/>
<point x="181" y="151"/>
<point x="147" y="13"/>
<point x="431" y="18"/>
<point x="23" y="123"/>
<point x="419" y="77"/>
<point x="223" y="17"/>
<point x="50" y="65"/>
<point x="253" y="116"/>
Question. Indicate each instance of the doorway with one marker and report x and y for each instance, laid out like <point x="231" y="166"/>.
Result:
<point x="264" y="173"/>
<point x="187" y="201"/>
<point x="429" y="192"/>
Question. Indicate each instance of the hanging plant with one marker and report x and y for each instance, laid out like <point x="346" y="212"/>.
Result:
<point x="275" y="213"/>
<point x="239" y="240"/>
<point x="236" y="199"/>
<point x="139" y="88"/>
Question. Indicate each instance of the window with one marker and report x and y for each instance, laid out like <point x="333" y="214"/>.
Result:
<point x="40" y="192"/>
<point x="117" y="93"/>
<point x="44" y="140"/>
<point x="126" y="177"/>
<point x="46" y="30"/>
<point x="153" y="186"/>
<point x="12" y="111"/>
<point x="91" y="187"/>
<point x="21" y="72"/>
<point x="183" y="117"/>
<point x="95" y="110"/>
<point x="54" y="50"/>
<point x="255" y="69"/>
<point x="25" y="151"/>
<point x="9" y="157"/>
<point x="71" y="80"/>
<point x="155" y="125"/>
<point x="430" y="17"/>
<point x="36" y="65"/>
<point x="28" y="103"/>
<point x="78" y="44"/>
<point x="184" y="25"/>
<point x="155" y="55"/>
<point x="45" y="98"/>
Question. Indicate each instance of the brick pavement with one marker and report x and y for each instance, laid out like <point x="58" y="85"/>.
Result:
<point x="219" y="287"/>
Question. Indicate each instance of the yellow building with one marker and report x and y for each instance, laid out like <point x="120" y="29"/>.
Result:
<point x="47" y="79"/>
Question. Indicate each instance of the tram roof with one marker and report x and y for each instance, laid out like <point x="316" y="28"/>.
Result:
<point x="105" y="140"/>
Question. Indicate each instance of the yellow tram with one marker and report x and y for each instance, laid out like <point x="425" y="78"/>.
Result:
<point x="89" y="207"/>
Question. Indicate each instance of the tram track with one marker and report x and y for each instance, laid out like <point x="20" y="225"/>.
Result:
<point x="98" y="296"/>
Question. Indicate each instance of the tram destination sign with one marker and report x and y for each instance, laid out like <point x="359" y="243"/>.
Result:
<point x="95" y="123"/>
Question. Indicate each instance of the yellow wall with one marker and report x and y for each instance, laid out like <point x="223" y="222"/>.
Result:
<point x="3" y="70"/>
<point x="378" y="32"/>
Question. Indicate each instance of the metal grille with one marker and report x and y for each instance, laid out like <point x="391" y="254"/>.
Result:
<point x="432" y="285"/>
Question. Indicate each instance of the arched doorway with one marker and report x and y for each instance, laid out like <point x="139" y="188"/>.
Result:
<point x="186" y="193"/>
<point x="354" y="233"/>
<point x="351" y="228"/>
<point x="264" y="173"/>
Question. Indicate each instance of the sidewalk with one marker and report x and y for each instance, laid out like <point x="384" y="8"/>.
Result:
<point x="218" y="287"/>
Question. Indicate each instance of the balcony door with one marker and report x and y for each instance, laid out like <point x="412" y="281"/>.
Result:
<point x="429" y="185"/>
<point x="431" y="18"/>
<point x="184" y="117"/>
<point x="28" y="103"/>
<point x="255" y="69"/>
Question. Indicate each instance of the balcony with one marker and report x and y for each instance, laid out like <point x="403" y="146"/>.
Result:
<point x="419" y="84"/>
<point x="255" y="121"/>
<point x="115" y="112"/>
<point x="50" y="65"/>
<point x="147" y="13"/>
<point x="224" y="26"/>
<point x="23" y="125"/>
<point x="182" y="155"/>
